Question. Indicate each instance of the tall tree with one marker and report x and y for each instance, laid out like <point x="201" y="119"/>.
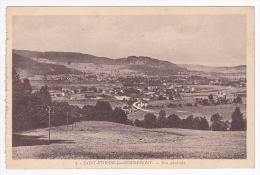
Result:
<point x="27" y="86"/>
<point x="238" y="123"/>
<point x="162" y="122"/>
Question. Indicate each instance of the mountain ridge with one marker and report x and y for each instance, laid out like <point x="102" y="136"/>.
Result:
<point x="142" y="64"/>
<point x="28" y="66"/>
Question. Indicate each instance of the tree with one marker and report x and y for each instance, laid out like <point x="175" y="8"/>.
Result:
<point x="44" y="92"/>
<point x="210" y="97"/>
<point x="23" y="104"/>
<point x="162" y="113"/>
<point x="161" y="98"/>
<point x="203" y="125"/>
<point x="188" y="123"/>
<point x="173" y="121"/>
<point x="76" y="113"/>
<point x="150" y="120"/>
<point x="172" y="105"/>
<point x="27" y="86"/>
<point x="238" y="123"/>
<point x="118" y="116"/>
<point x="162" y="122"/>
<point x="61" y="111"/>
<point x="17" y="87"/>
<point x="88" y="112"/>
<point x="189" y="104"/>
<point x="103" y="105"/>
<point x="238" y="99"/>
<point x="93" y="89"/>
<point x="139" y="123"/>
<point x="102" y="111"/>
<point x="217" y="123"/>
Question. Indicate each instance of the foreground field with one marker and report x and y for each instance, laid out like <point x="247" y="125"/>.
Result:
<point x="106" y="140"/>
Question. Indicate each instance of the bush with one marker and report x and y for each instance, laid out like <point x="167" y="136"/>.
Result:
<point x="139" y="123"/>
<point x="129" y="122"/>
<point x="238" y="99"/>
<point x="189" y="104"/>
<point x="161" y="98"/>
<point x="210" y="97"/>
<point x="172" y="105"/>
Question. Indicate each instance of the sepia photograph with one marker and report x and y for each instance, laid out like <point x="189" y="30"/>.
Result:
<point x="124" y="87"/>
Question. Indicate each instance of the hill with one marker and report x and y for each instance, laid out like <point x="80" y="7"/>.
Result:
<point x="196" y="67"/>
<point x="149" y="65"/>
<point x="27" y="66"/>
<point x="141" y="64"/>
<point x="107" y="140"/>
<point x="240" y="68"/>
<point x="64" y="57"/>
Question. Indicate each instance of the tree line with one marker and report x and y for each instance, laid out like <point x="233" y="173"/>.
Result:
<point x="238" y="123"/>
<point x="31" y="110"/>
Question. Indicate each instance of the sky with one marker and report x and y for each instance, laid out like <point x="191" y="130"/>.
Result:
<point x="211" y="40"/>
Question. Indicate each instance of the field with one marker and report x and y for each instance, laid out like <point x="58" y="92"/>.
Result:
<point x="225" y="110"/>
<point x="114" y="103"/>
<point x="40" y="83"/>
<point x="106" y="140"/>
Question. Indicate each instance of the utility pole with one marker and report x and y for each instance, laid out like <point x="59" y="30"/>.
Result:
<point x="49" y="124"/>
<point x="67" y="121"/>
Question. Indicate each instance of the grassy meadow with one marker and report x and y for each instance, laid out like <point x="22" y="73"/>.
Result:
<point x="106" y="140"/>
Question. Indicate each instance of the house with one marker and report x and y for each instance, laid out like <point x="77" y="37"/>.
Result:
<point x="56" y="93"/>
<point x="222" y="96"/>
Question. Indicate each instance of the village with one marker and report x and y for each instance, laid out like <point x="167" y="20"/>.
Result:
<point x="144" y="93"/>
